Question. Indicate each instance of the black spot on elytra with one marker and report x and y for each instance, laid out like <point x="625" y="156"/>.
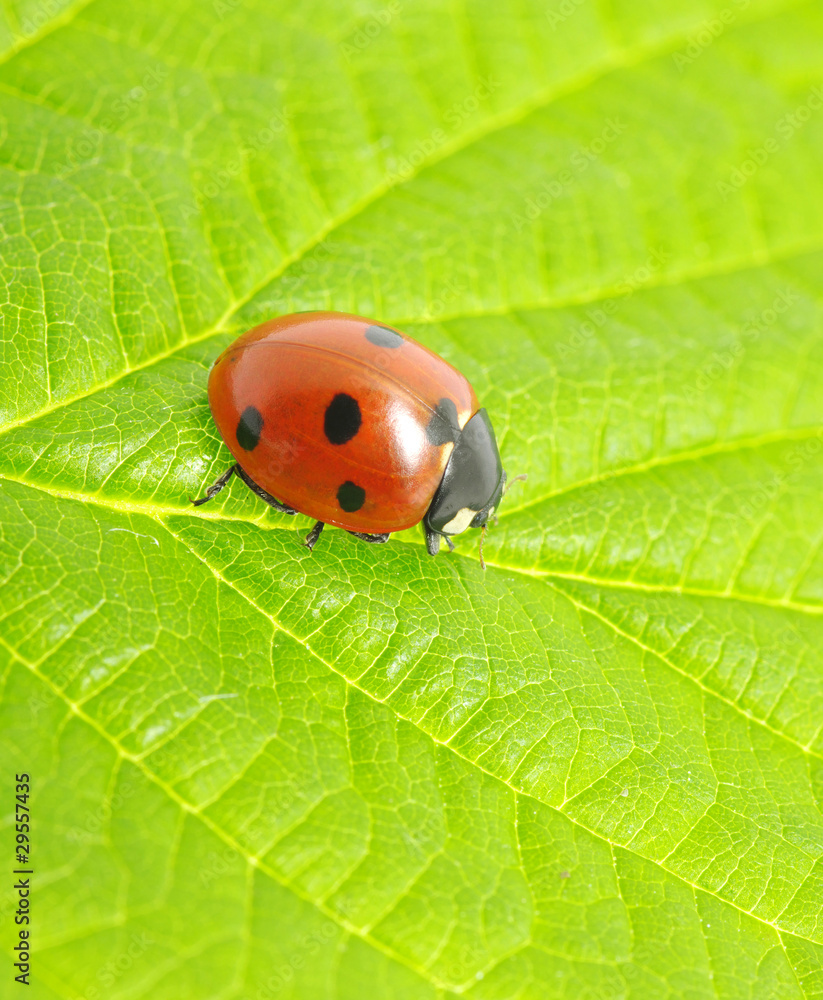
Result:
<point x="351" y="497"/>
<point x="443" y="426"/>
<point x="249" y="427"/>
<point x="343" y="419"/>
<point x="382" y="336"/>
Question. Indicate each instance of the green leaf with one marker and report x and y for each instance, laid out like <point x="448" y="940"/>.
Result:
<point x="594" y="770"/>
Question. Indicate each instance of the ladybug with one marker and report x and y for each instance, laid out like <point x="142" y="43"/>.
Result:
<point x="356" y="425"/>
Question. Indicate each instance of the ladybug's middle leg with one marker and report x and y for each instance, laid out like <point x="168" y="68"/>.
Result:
<point x="377" y="539"/>
<point x="252" y="485"/>
<point x="313" y="535"/>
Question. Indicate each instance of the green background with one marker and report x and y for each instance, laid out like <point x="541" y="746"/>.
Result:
<point x="594" y="771"/>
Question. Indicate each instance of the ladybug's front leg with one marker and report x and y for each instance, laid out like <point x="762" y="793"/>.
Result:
<point x="433" y="542"/>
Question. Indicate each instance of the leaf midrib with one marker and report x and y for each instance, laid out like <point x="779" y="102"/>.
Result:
<point x="158" y="512"/>
<point x="733" y="446"/>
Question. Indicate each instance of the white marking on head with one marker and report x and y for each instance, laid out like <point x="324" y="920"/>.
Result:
<point x="461" y="520"/>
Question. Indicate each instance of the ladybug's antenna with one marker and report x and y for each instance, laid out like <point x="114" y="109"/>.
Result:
<point x="521" y="478"/>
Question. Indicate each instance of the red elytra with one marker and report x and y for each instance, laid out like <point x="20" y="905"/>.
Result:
<point x="340" y="418"/>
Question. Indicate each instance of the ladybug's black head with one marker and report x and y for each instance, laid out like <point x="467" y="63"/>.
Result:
<point x="472" y="484"/>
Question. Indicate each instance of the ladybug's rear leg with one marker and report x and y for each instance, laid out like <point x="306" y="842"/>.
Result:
<point x="252" y="485"/>
<point x="377" y="539"/>
<point x="217" y="485"/>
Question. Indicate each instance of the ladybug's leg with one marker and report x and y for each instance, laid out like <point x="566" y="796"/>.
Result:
<point x="433" y="542"/>
<point x="217" y="485"/>
<point x="377" y="539"/>
<point x="252" y="485"/>
<point x="313" y="535"/>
